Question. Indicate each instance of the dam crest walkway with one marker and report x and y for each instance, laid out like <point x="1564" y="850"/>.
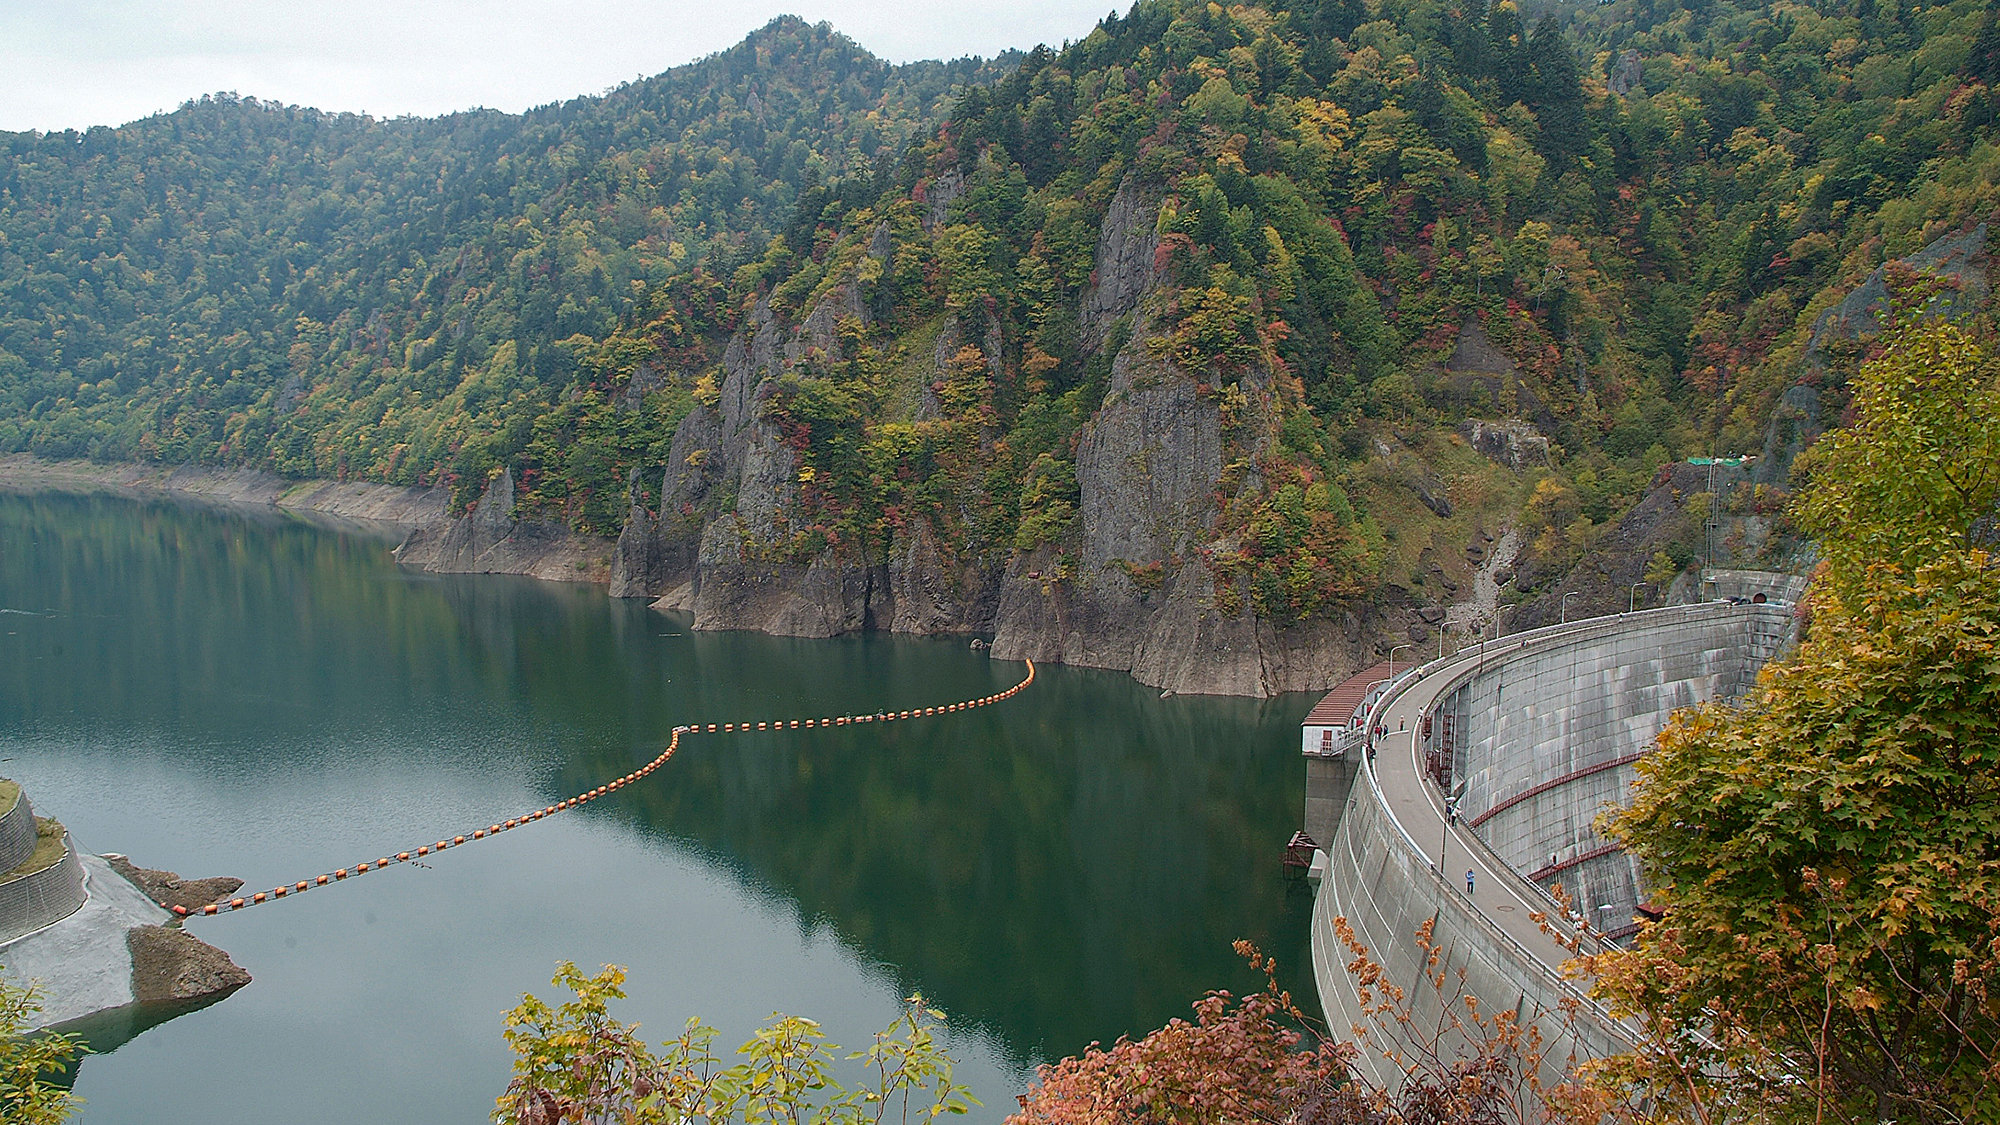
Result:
<point x="1477" y="796"/>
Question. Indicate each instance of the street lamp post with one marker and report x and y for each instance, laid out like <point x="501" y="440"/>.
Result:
<point x="1393" y="650"/>
<point x="1563" y="616"/>
<point x="1632" y="596"/>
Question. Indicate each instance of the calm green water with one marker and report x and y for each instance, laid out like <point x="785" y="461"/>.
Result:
<point x="226" y="692"/>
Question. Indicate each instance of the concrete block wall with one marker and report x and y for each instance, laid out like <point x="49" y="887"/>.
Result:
<point x="49" y="895"/>
<point x="17" y="834"/>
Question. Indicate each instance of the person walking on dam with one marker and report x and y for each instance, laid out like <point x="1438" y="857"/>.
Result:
<point x="1468" y="881"/>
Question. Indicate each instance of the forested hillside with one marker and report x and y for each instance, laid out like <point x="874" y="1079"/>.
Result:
<point x="1231" y="334"/>
<point x="331" y="295"/>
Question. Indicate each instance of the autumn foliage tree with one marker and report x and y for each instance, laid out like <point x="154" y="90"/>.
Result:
<point x="1239" y="1061"/>
<point x="1829" y="849"/>
<point x="31" y="1063"/>
<point x="1260" y="1060"/>
<point x="576" y="1064"/>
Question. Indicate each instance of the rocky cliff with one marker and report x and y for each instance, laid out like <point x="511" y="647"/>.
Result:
<point x="1129" y="587"/>
<point x="491" y="540"/>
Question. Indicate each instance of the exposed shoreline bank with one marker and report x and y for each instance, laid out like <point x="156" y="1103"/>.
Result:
<point x="432" y="538"/>
<point x="490" y="540"/>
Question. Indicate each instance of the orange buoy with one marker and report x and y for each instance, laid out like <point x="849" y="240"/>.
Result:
<point x="458" y="840"/>
<point x="479" y="833"/>
<point x="235" y="904"/>
<point x="340" y="873"/>
<point x="402" y="855"/>
<point x="361" y="869"/>
<point x="320" y="882"/>
<point x="210" y="908"/>
<point x="300" y="885"/>
<point x="258" y="897"/>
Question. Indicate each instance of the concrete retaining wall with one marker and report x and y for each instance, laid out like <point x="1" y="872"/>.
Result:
<point x="49" y="895"/>
<point x="83" y="963"/>
<point x="17" y="834"/>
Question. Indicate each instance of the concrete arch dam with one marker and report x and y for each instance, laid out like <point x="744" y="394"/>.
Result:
<point x="1495" y="762"/>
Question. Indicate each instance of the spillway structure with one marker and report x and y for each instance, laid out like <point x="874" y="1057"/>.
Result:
<point x="1454" y="798"/>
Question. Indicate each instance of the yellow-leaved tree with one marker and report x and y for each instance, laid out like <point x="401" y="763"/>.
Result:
<point x="30" y="1063"/>
<point x="1828" y="850"/>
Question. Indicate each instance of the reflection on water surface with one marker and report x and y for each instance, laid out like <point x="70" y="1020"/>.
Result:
<point x="222" y="692"/>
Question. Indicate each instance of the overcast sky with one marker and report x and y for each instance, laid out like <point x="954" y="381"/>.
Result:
<point x="77" y="63"/>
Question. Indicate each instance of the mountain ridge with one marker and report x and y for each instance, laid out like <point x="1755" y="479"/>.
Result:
<point x="1223" y="345"/>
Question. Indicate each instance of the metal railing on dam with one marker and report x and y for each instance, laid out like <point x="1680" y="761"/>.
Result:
<point x="1479" y="793"/>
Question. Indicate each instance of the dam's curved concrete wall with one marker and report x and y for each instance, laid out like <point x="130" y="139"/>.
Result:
<point x="1387" y="890"/>
<point x="17" y="834"/>
<point x="1534" y="735"/>
<point x="1548" y="737"/>
<point x="49" y="895"/>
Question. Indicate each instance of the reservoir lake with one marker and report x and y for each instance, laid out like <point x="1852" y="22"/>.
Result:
<point x="224" y="691"/>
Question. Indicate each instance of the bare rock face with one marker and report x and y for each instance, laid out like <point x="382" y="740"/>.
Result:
<point x="1126" y="244"/>
<point x="170" y="890"/>
<point x="491" y="541"/>
<point x="1795" y="424"/>
<point x="1960" y="259"/>
<point x="1625" y="75"/>
<point x="171" y="965"/>
<point x="1190" y="646"/>
<point x="1129" y="587"/>
<point x="1146" y="470"/>
<point x="929" y="592"/>
<point x="1510" y="442"/>
<point x="940" y="194"/>
<point x="1476" y="352"/>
